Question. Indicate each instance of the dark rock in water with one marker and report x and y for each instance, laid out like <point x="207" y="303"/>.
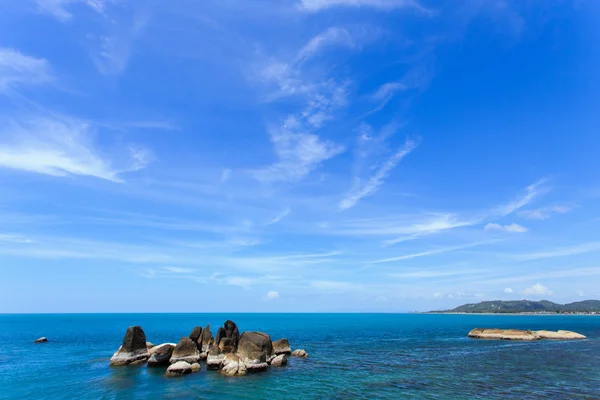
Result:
<point x="179" y="368"/>
<point x="300" y="353"/>
<point x="161" y="354"/>
<point x="227" y="337"/>
<point x="185" y="350"/>
<point x="133" y="351"/>
<point x="41" y="340"/>
<point x="279" y="361"/>
<point x="282" y="346"/>
<point x="215" y="358"/>
<point x="207" y="339"/>
<point x="254" y="348"/>
<point x="196" y="337"/>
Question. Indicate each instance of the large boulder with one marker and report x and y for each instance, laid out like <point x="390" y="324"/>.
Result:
<point x="233" y="365"/>
<point x="215" y="358"/>
<point x="254" y="348"/>
<point x="161" y="354"/>
<point x="185" y="350"/>
<point x="179" y="368"/>
<point x="504" y="334"/>
<point x="282" y="346"/>
<point x="133" y="351"/>
<point x="207" y="339"/>
<point x="228" y="336"/>
<point x="560" y="335"/>
<point x="196" y="337"/>
<point x="279" y="361"/>
<point x="300" y="353"/>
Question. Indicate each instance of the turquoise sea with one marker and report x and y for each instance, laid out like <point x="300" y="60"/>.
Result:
<point x="370" y="356"/>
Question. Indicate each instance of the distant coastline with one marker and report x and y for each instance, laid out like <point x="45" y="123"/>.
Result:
<point x="525" y="307"/>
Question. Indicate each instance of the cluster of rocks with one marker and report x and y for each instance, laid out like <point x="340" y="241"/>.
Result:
<point x="230" y="352"/>
<point x="519" y="334"/>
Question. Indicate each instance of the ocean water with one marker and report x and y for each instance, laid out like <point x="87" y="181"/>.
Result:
<point x="370" y="356"/>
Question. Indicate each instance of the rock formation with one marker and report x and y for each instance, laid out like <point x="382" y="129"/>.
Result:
<point x="161" y="354"/>
<point x="300" y="353"/>
<point x="254" y="348"/>
<point x="133" y="351"/>
<point x="233" y="365"/>
<point x="282" y="346"/>
<point x="179" y="368"/>
<point x="207" y="339"/>
<point x="41" y="340"/>
<point x="279" y="361"/>
<point x="227" y="337"/>
<point x="196" y="337"/>
<point x="185" y="350"/>
<point x="519" y="334"/>
<point x="196" y="367"/>
<point x="215" y="358"/>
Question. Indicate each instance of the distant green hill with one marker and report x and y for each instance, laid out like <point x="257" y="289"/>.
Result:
<point x="527" y="306"/>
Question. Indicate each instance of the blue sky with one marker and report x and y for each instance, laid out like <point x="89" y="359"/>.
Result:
<point x="297" y="155"/>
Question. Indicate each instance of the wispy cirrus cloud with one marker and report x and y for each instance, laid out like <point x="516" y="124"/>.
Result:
<point x="546" y="212"/>
<point x="512" y="228"/>
<point x="560" y="252"/>
<point x="334" y="36"/>
<point x="279" y="217"/>
<point x="321" y="5"/>
<point x="532" y="192"/>
<point x="435" y="251"/>
<point x="373" y="184"/>
<point x="62" y="146"/>
<point x="59" y="9"/>
<point x="18" y="69"/>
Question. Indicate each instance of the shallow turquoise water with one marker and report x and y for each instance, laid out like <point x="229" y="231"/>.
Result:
<point x="374" y="356"/>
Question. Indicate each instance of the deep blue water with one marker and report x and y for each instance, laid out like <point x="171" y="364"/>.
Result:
<point x="374" y="356"/>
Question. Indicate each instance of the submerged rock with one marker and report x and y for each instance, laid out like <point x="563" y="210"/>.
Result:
<point x="560" y="335"/>
<point x="282" y="346"/>
<point x="279" y="361"/>
<point x="41" y="340"/>
<point x="300" y="353"/>
<point x="215" y="358"/>
<point x="179" y="368"/>
<point x="161" y="354"/>
<point x="233" y="365"/>
<point x="207" y="339"/>
<point x="133" y="351"/>
<point x="185" y="350"/>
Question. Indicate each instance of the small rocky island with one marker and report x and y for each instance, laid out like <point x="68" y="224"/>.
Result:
<point x="230" y="352"/>
<point x="520" y="334"/>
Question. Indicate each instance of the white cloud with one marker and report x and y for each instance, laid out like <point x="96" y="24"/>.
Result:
<point x="512" y="228"/>
<point x="440" y="250"/>
<point x="538" y="290"/>
<point x="279" y="217"/>
<point x="508" y="290"/>
<point x="560" y="252"/>
<point x="545" y="212"/>
<point x="320" y="5"/>
<point x="62" y="147"/>
<point x="378" y="179"/>
<point x="457" y="295"/>
<point x="18" y="69"/>
<point x="299" y="154"/>
<point x="272" y="295"/>
<point x="59" y="8"/>
<point x="532" y="192"/>
<point x="10" y="238"/>
<point x="225" y="175"/>
<point x="332" y="36"/>
<point x="179" y="270"/>
<point x="334" y="286"/>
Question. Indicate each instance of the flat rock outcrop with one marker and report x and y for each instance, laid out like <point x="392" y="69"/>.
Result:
<point x="186" y="350"/>
<point x="519" y="334"/>
<point x="300" y="353"/>
<point x="282" y="346"/>
<point x="133" y="351"/>
<point x="161" y="354"/>
<point x="179" y="368"/>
